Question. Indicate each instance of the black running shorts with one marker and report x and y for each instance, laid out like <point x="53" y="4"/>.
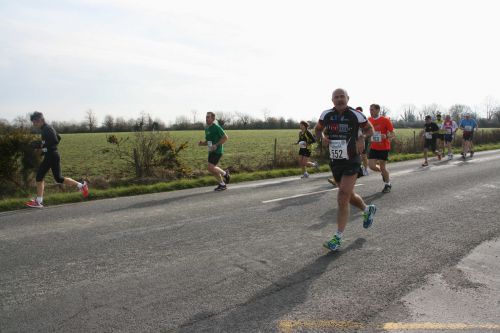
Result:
<point x="345" y="169"/>
<point x="430" y="143"/>
<point x="381" y="155"/>
<point x="213" y="158"/>
<point x="304" y="152"/>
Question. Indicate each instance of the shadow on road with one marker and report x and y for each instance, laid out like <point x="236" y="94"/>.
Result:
<point x="329" y="218"/>
<point x="161" y="202"/>
<point x="260" y="312"/>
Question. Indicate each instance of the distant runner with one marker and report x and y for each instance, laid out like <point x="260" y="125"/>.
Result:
<point x="338" y="129"/>
<point x="51" y="161"/>
<point x="306" y="139"/>
<point x="380" y="145"/>
<point x="449" y="127"/>
<point x="468" y="125"/>
<point x="215" y="137"/>
<point x="430" y="128"/>
<point x="440" y="143"/>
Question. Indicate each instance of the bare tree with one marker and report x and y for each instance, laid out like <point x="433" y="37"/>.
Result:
<point x="195" y="114"/>
<point x="22" y="122"/>
<point x="408" y="113"/>
<point x="384" y="111"/>
<point x="490" y="105"/>
<point x="108" y="122"/>
<point x="457" y="111"/>
<point x="243" y="119"/>
<point x="223" y="118"/>
<point x="430" y="110"/>
<point x="90" y="120"/>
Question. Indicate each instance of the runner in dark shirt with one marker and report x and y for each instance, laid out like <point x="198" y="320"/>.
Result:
<point x="51" y="161"/>
<point x="338" y="129"/>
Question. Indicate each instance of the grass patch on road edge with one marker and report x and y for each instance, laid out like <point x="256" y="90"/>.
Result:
<point x="62" y="198"/>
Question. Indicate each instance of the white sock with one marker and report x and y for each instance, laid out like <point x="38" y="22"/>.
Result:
<point x="79" y="185"/>
<point x="222" y="183"/>
<point x="339" y="234"/>
<point x="39" y="200"/>
<point x="225" y="173"/>
<point x="388" y="183"/>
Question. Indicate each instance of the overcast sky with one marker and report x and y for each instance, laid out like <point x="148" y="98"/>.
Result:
<point x="167" y="58"/>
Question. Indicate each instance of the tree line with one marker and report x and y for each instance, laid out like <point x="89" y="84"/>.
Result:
<point x="409" y="116"/>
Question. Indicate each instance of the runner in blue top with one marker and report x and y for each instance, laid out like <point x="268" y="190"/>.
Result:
<point x="468" y="125"/>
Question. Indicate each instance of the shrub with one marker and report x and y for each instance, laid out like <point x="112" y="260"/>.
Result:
<point x="18" y="161"/>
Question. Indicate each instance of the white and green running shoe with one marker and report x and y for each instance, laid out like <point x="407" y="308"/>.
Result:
<point x="333" y="244"/>
<point x="368" y="216"/>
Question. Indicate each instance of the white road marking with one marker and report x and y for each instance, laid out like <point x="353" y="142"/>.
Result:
<point x="302" y="195"/>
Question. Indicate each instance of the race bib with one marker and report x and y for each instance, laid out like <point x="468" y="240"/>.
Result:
<point x="468" y="128"/>
<point x="302" y="144"/>
<point x="338" y="149"/>
<point x="377" y="137"/>
<point x="428" y="135"/>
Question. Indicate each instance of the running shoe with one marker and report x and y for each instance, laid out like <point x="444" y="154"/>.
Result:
<point x="471" y="153"/>
<point x="333" y="244"/>
<point x="227" y="176"/>
<point x="368" y="216"/>
<point x="425" y="164"/>
<point x="332" y="181"/>
<point x="450" y="156"/>
<point x="463" y="156"/>
<point x="220" y="188"/>
<point x="305" y="175"/>
<point x="439" y="156"/>
<point x="387" y="188"/>
<point x="34" y="204"/>
<point x="85" y="189"/>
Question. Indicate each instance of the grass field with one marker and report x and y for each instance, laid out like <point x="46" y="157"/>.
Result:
<point x="82" y="154"/>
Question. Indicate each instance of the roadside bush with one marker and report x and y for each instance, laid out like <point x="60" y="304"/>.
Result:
<point x="150" y="153"/>
<point x="18" y="162"/>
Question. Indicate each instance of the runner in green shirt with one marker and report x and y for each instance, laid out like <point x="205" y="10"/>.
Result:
<point x="215" y="137"/>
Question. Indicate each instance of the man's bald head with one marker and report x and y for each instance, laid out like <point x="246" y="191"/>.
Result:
<point x="340" y="99"/>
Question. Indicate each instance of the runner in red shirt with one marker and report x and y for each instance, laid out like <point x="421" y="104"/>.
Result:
<point x="380" y="145"/>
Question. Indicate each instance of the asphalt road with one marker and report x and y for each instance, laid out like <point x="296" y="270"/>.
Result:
<point x="250" y="259"/>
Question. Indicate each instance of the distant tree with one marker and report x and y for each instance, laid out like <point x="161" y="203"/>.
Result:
<point x="430" y="110"/>
<point x="22" y="122"/>
<point x="244" y="119"/>
<point x="408" y="114"/>
<point x="282" y="122"/>
<point x="121" y="124"/>
<point x="490" y="105"/>
<point x="223" y="118"/>
<point x="291" y="123"/>
<point x="384" y="111"/>
<point x="457" y="111"/>
<point x="90" y="120"/>
<point x="108" y="123"/>
<point x="4" y="126"/>
<point x="194" y="113"/>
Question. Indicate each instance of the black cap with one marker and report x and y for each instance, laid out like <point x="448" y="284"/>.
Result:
<point x="36" y="115"/>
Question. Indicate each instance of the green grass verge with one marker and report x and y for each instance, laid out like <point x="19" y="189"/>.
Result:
<point x="62" y="198"/>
